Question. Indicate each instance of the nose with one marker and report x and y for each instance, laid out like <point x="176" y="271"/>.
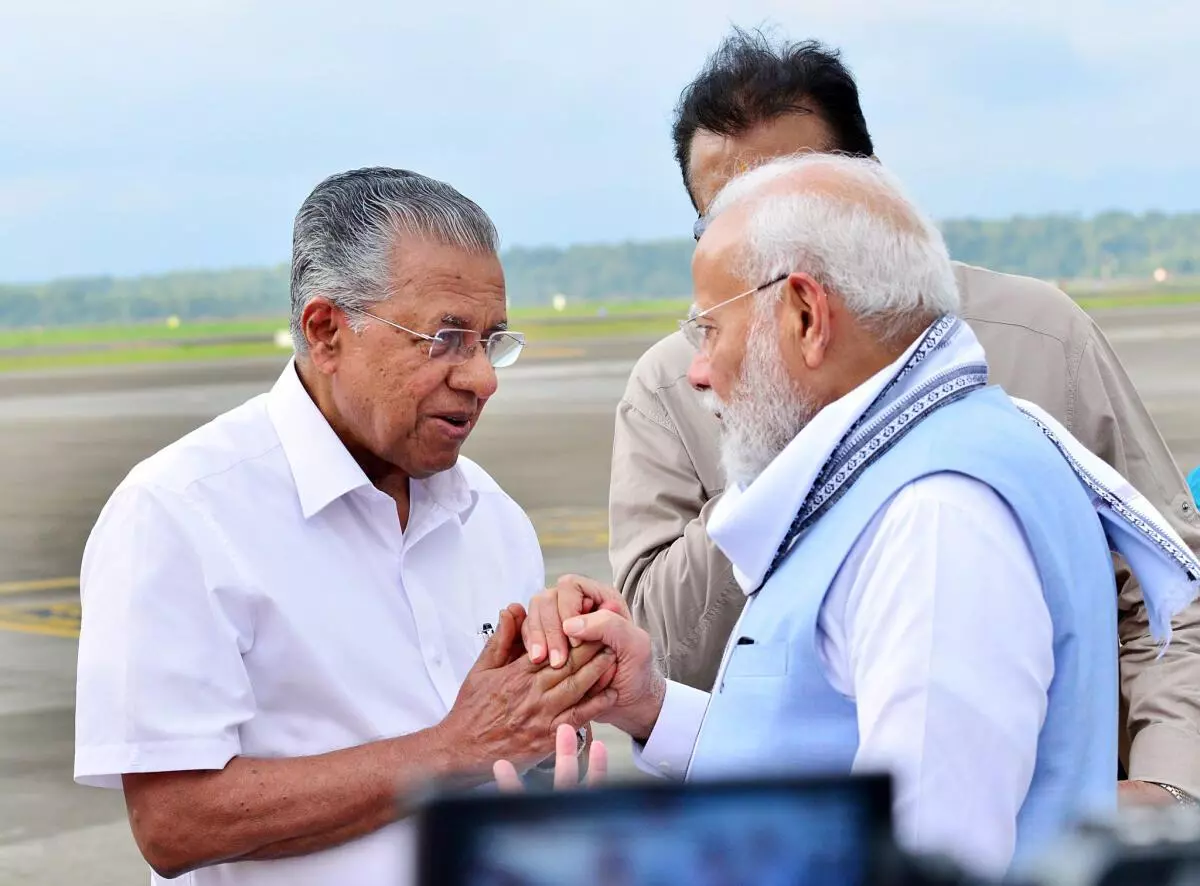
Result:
<point x="698" y="372"/>
<point x="476" y="374"/>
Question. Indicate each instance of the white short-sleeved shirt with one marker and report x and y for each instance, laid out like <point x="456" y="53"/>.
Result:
<point x="247" y="591"/>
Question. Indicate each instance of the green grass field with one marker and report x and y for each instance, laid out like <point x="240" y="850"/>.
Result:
<point x="71" y="346"/>
<point x="169" y="354"/>
<point x="1149" y="300"/>
<point x="534" y="321"/>
<point x="133" y="333"/>
<point x="158" y="342"/>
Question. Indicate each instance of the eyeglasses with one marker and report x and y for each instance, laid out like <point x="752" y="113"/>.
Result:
<point x="696" y="334"/>
<point x="457" y="346"/>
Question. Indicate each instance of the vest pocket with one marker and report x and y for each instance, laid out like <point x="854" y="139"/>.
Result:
<point x="745" y="714"/>
<point x="758" y="660"/>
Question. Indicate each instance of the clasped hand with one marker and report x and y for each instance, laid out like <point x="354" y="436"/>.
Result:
<point x="571" y="616"/>
<point x="573" y="658"/>
<point x="578" y="611"/>
<point x="509" y="706"/>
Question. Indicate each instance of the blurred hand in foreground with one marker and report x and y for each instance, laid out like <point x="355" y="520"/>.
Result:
<point x="566" y="764"/>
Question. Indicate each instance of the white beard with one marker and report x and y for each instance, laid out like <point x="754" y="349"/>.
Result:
<point x="765" y="410"/>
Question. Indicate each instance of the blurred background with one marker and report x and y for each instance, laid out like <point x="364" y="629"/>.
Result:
<point x="152" y="156"/>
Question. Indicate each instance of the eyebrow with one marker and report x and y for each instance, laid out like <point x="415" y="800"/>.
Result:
<point x="456" y="322"/>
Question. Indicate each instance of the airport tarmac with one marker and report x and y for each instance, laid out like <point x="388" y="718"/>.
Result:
<point x="67" y="439"/>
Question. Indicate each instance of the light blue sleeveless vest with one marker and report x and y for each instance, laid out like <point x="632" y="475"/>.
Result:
<point x="772" y="708"/>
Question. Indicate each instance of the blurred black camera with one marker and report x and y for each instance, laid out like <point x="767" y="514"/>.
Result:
<point x="771" y="832"/>
<point x="778" y="832"/>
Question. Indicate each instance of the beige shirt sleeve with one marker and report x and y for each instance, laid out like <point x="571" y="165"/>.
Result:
<point x="1160" y="697"/>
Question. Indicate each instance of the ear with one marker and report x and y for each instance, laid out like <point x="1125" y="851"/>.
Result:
<point x="326" y="328"/>
<point x="805" y="318"/>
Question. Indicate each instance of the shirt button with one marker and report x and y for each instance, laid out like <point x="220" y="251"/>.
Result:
<point x="434" y="656"/>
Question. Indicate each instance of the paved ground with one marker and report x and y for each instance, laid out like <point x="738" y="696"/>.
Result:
<point x="67" y="439"/>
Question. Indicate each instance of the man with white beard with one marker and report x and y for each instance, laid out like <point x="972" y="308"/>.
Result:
<point x="927" y="562"/>
<point x="765" y="411"/>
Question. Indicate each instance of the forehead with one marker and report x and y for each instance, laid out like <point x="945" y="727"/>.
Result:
<point x="714" y="159"/>
<point x="435" y="283"/>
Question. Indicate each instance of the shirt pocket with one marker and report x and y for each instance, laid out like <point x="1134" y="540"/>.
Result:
<point x="467" y="638"/>
<point x="480" y="635"/>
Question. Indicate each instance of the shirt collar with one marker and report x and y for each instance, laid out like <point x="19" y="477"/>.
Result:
<point x="451" y="491"/>
<point x="749" y="523"/>
<point x="324" y="470"/>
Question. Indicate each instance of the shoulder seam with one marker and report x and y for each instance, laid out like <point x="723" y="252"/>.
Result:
<point x="1011" y="325"/>
<point x="225" y="470"/>
<point x="670" y="384"/>
<point x="665" y="424"/>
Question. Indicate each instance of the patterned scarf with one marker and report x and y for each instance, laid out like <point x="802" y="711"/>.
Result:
<point x="947" y="364"/>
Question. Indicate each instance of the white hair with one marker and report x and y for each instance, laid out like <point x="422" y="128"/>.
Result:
<point x="858" y="235"/>
<point x="766" y="409"/>
<point x="346" y="233"/>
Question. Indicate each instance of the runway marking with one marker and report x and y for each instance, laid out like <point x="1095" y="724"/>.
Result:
<point x="571" y="527"/>
<point x="32" y="587"/>
<point x="50" y="619"/>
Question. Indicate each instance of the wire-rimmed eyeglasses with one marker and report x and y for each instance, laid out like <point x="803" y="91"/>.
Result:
<point x="696" y="334"/>
<point x="457" y="346"/>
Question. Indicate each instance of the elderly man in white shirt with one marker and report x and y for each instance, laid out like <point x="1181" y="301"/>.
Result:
<point x="927" y="561"/>
<point x="286" y="614"/>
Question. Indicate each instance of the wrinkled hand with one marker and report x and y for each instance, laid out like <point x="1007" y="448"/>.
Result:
<point x="572" y="595"/>
<point x="637" y="686"/>
<point x="508" y="707"/>
<point x="566" y="764"/>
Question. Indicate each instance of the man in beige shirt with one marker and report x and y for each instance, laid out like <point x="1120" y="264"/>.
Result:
<point x="753" y="102"/>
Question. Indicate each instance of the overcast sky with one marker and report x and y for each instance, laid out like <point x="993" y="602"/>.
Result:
<point x="143" y="135"/>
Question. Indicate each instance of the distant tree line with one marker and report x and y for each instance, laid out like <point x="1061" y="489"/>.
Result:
<point x="658" y="269"/>
<point x="218" y="295"/>
<point x="1111" y="245"/>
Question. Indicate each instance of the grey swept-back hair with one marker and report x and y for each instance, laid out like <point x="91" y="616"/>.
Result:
<point x="347" y="230"/>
